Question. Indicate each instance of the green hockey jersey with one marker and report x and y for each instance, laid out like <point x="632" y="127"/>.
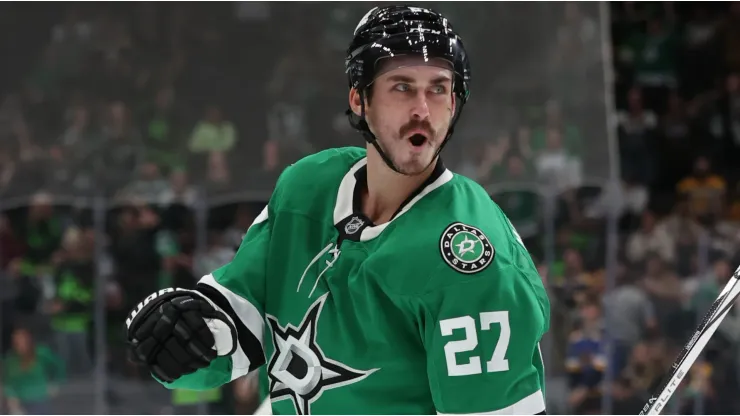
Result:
<point x="439" y="310"/>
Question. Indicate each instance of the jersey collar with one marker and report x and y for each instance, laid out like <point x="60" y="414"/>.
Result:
<point x="355" y="181"/>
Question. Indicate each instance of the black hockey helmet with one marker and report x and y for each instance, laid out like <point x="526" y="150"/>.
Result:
<point x="389" y="31"/>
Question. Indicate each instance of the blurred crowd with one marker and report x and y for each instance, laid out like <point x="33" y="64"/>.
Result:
<point x="138" y="142"/>
<point x="675" y="222"/>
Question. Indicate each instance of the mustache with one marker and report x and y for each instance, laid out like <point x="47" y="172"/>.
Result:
<point x="422" y="125"/>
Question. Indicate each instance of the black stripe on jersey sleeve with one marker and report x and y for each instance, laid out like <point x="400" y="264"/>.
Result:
<point x="248" y="341"/>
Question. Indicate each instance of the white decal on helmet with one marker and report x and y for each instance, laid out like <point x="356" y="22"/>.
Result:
<point x="364" y="19"/>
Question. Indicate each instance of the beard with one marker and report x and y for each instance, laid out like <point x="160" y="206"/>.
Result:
<point x="410" y="160"/>
<point x="417" y="164"/>
<point x="413" y="150"/>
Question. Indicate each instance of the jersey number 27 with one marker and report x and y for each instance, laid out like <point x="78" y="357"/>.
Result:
<point x="498" y="361"/>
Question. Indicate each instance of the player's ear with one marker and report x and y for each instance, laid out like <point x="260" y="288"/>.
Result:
<point x="355" y="103"/>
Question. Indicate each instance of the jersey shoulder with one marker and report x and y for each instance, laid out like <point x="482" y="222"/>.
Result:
<point x="315" y="177"/>
<point x="458" y="236"/>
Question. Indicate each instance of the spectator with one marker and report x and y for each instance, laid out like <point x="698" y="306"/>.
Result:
<point x="709" y="288"/>
<point x="555" y="166"/>
<point x="680" y="225"/>
<point x="733" y="209"/>
<point x="654" y="55"/>
<point x="179" y="191"/>
<point x="523" y="144"/>
<point x="218" y="176"/>
<point x="626" y="400"/>
<point x="586" y="361"/>
<point x="73" y="153"/>
<point x="645" y="367"/>
<point x="629" y="199"/>
<point x="42" y="233"/>
<point x="571" y="277"/>
<point x="72" y="307"/>
<point x="271" y="160"/>
<point x="650" y="239"/>
<point x="210" y="143"/>
<point x="636" y="128"/>
<point x="554" y="120"/>
<point x="45" y="81"/>
<point x="689" y="237"/>
<point x="631" y="315"/>
<point x="288" y="131"/>
<point x="470" y="159"/>
<point x="176" y="246"/>
<point x="123" y="151"/>
<point x="162" y="131"/>
<point x="73" y="30"/>
<point x="675" y="121"/>
<point x="31" y="375"/>
<point x="705" y="191"/>
<point x="665" y="291"/>
<point x="150" y="186"/>
<point x="492" y="156"/>
<point x="521" y="205"/>
<point x="568" y="283"/>
<point x="133" y="248"/>
<point x="213" y="134"/>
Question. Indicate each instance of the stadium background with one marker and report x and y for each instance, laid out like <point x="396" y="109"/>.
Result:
<point x="139" y="140"/>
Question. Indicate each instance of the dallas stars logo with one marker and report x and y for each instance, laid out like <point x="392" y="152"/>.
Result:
<point x="299" y="370"/>
<point x="465" y="248"/>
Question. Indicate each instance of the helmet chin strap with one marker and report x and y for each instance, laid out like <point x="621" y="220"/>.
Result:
<point x="370" y="137"/>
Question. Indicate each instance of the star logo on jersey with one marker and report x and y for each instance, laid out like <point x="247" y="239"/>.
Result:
<point x="299" y="370"/>
<point x="465" y="248"/>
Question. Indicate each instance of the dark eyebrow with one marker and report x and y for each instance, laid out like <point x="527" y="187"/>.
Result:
<point x="403" y="78"/>
<point x="400" y="78"/>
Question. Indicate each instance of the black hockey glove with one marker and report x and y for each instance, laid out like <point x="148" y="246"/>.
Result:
<point x="175" y="332"/>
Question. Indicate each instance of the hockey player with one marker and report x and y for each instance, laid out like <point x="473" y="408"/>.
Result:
<point x="375" y="280"/>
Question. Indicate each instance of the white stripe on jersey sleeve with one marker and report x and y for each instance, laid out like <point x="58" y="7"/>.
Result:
<point x="530" y="405"/>
<point x="265" y="408"/>
<point x="260" y="218"/>
<point x="250" y="317"/>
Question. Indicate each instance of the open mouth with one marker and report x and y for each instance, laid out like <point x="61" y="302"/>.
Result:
<point x="418" y="140"/>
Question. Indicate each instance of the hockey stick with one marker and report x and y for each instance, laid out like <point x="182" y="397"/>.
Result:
<point x="696" y="344"/>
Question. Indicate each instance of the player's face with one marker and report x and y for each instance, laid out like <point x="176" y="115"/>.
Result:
<point x="410" y="110"/>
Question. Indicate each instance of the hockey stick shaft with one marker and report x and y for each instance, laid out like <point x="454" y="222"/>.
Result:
<point x="713" y="318"/>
